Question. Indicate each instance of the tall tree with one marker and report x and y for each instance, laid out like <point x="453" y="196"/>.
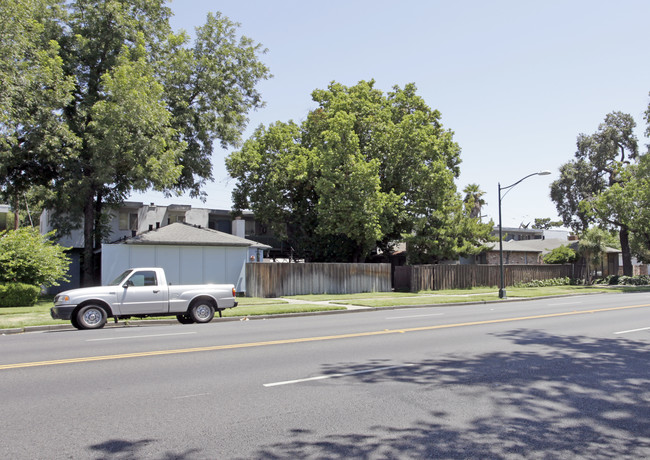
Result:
<point x="630" y="204"/>
<point x="34" y="88"/>
<point x="144" y="107"/>
<point x="474" y="200"/>
<point x="358" y="173"/>
<point x="599" y="164"/>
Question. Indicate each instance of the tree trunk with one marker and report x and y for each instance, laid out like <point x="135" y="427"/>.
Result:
<point x="587" y="257"/>
<point x="16" y="212"/>
<point x="88" y="261"/>
<point x="97" y="236"/>
<point x="624" y="236"/>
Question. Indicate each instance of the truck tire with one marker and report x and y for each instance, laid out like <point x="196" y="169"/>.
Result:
<point x="201" y="311"/>
<point x="73" y="321"/>
<point x="184" y="319"/>
<point x="90" y="317"/>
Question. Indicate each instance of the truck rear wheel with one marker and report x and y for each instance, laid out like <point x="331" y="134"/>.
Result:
<point x="90" y="317"/>
<point x="202" y="311"/>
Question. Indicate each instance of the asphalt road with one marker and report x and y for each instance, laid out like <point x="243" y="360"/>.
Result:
<point x="555" y="378"/>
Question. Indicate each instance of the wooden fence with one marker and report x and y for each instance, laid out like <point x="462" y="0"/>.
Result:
<point x="435" y="277"/>
<point x="281" y="279"/>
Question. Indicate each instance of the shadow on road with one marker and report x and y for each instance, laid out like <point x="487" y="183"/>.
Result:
<point x="554" y="397"/>
<point x="115" y="449"/>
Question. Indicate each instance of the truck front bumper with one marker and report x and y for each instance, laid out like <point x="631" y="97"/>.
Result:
<point x="62" y="312"/>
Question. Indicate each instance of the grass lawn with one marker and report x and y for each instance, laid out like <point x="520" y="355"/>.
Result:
<point x="39" y="314"/>
<point x="481" y="294"/>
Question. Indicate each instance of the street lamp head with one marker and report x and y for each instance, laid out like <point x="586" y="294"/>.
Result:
<point x="546" y="172"/>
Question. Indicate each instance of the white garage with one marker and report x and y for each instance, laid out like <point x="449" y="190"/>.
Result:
<point x="189" y="255"/>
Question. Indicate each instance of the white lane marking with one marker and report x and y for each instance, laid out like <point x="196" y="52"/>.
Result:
<point x="191" y="396"/>
<point x="331" y="376"/>
<point x="139" y="336"/>
<point x="633" y="330"/>
<point x="414" y="316"/>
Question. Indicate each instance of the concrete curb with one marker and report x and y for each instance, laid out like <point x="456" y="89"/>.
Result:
<point x="160" y="322"/>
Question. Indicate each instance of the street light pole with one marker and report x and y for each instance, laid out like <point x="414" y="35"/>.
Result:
<point x="502" y="287"/>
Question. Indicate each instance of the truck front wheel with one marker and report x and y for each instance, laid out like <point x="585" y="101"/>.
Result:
<point x="184" y="319"/>
<point x="90" y="317"/>
<point x="202" y="311"/>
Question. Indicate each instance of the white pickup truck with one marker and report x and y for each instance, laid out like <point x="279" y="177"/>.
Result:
<point x="141" y="292"/>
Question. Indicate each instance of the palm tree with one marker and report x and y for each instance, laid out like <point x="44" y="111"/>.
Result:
<point x="592" y="244"/>
<point x="473" y="200"/>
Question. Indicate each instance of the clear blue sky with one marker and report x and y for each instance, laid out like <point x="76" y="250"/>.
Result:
<point x="516" y="81"/>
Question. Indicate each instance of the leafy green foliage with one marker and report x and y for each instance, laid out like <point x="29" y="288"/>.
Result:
<point x="600" y="165"/>
<point x="474" y="200"/>
<point x="545" y="223"/>
<point x="592" y="244"/>
<point x="28" y="257"/>
<point x="100" y="98"/>
<point x="364" y="169"/>
<point x="631" y="205"/>
<point x="34" y="90"/>
<point x="563" y="281"/>
<point x="561" y="255"/>
<point x="18" y="295"/>
<point x="616" y="280"/>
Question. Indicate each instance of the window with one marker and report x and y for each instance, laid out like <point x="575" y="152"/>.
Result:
<point x="175" y="218"/>
<point x="143" y="278"/>
<point x="128" y="220"/>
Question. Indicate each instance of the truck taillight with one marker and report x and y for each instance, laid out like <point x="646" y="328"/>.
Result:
<point x="234" y="294"/>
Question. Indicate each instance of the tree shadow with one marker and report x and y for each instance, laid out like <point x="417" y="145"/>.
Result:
<point x="553" y="397"/>
<point x="121" y="449"/>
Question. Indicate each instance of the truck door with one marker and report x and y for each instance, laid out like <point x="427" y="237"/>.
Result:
<point x="142" y="293"/>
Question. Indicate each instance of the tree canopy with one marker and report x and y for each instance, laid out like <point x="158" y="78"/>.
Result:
<point x="545" y="223"/>
<point x="101" y="98"/>
<point x="364" y="170"/>
<point x="473" y="200"/>
<point x="600" y="165"/>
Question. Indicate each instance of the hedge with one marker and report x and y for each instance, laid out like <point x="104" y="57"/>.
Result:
<point x="18" y="295"/>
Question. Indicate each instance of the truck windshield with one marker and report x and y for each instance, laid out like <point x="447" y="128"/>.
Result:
<point x="117" y="281"/>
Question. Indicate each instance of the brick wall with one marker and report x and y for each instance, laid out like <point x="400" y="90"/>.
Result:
<point x="515" y="258"/>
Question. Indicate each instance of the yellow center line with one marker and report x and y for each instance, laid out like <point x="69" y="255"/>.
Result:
<point x="306" y="339"/>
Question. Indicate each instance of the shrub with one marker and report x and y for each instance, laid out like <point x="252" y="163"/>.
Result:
<point x="560" y="255"/>
<point x="28" y="257"/>
<point x="18" y="295"/>
<point x="622" y="280"/>
<point x="564" y="281"/>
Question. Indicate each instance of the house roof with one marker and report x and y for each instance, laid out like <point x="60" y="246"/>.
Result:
<point x="541" y="246"/>
<point x="188" y="235"/>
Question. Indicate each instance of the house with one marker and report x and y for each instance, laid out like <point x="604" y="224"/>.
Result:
<point x="189" y="254"/>
<point x="136" y="218"/>
<point x="133" y="218"/>
<point x="532" y="251"/>
<point x="5" y="215"/>
<point x="519" y="234"/>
